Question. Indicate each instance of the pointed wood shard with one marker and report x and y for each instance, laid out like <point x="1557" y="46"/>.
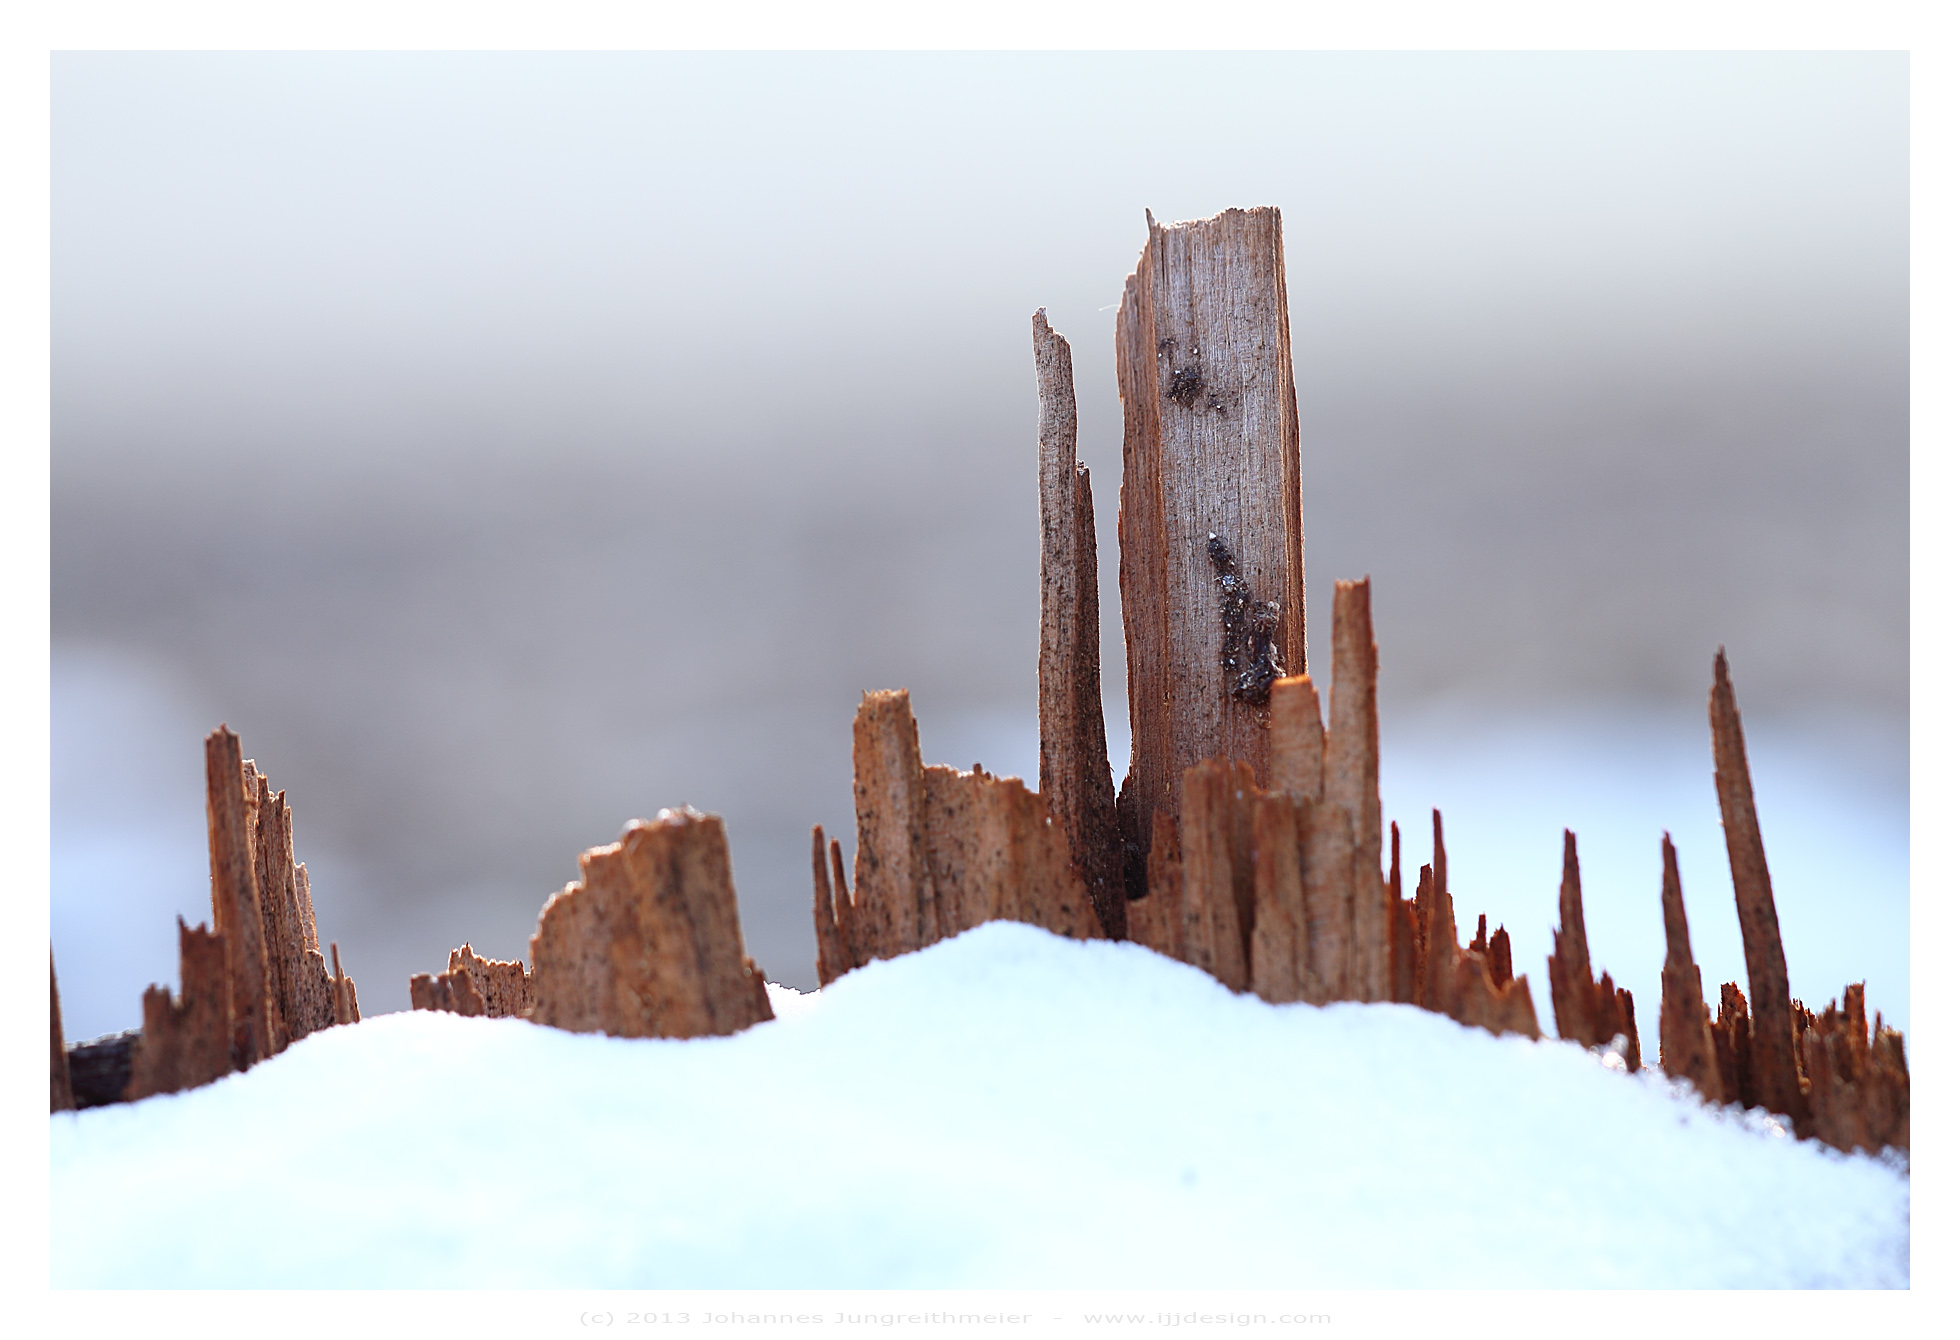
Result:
<point x="1075" y="778"/>
<point x="648" y="942"/>
<point x="500" y="987"/>
<point x="1439" y="932"/>
<point x="61" y="1092"/>
<point x="1774" y="1063"/>
<point x="1353" y="782"/>
<point x="1279" y="915"/>
<point x="346" y="1004"/>
<point x="1687" y="1042"/>
<point x="1860" y="1094"/>
<point x="186" y="1042"/>
<point x="833" y="950"/>
<point x="1216" y="841"/>
<point x="1211" y="448"/>
<point x="235" y="895"/>
<point x="1298" y="739"/>
<point x="897" y="905"/>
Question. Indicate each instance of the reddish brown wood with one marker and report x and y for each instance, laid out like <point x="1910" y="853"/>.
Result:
<point x="1774" y="1063"/>
<point x="235" y="895"/>
<point x="897" y="907"/>
<point x="1439" y="934"/>
<point x="1279" y="915"/>
<point x="1299" y="742"/>
<point x="1075" y="778"/>
<point x="648" y="943"/>
<point x="1211" y="447"/>
<point x="831" y="909"/>
<point x="186" y="1042"/>
<point x="61" y="1092"/>
<point x="1353" y="783"/>
<point x="1687" y="1045"/>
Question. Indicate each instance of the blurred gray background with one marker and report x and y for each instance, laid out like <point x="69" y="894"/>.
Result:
<point x="508" y="446"/>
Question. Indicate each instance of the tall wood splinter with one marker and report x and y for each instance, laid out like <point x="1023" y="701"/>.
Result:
<point x="1211" y="450"/>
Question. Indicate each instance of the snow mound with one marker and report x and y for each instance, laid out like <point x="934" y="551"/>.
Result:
<point x="1004" y="1109"/>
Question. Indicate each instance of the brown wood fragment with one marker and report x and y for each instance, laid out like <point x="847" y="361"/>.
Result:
<point x="997" y="854"/>
<point x="99" y="1069"/>
<point x="1353" y="782"/>
<point x="1734" y="1049"/>
<point x="1439" y="932"/>
<point x="235" y="895"/>
<point x="833" y="950"/>
<point x="1299" y="742"/>
<point x="1279" y="911"/>
<point x="501" y="984"/>
<point x="1074" y="776"/>
<point x="1157" y="919"/>
<point x="346" y="1005"/>
<point x="648" y="943"/>
<point x="186" y="1042"/>
<point x="61" y="1092"/>
<point x="1628" y="1028"/>
<point x="451" y="991"/>
<point x="1481" y="1003"/>
<point x="1859" y="1091"/>
<point x="1329" y="896"/>
<point x="1211" y="447"/>
<point x="897" y="906"/>
<point x="1774" y="1063"/>
<point x="1215" y="840"/>
<point x="1402" y="959"/>
<point x="1588" y="1012"/>
<point x="1687" y="1044"/>
<point x="1499" y="957"/>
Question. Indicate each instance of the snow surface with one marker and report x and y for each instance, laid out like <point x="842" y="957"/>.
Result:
<point x="1006" y="1109"/>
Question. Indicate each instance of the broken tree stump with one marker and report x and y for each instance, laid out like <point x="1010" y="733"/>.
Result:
<point x="939" y="852"/>
<point x="61" y="1092"/>
<point x="1074" y="778"/>
<point x="1687" y="1041"/>
<point x="648" y="942"/>
<point x="1209" y="523"/>
<point x="186" y="1041"/>
<point x="1774" y="1062"/>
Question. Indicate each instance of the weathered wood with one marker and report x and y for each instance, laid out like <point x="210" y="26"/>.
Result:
<point x="1859" y="1090"/>
<point x="99" y="1069"/>
<point x="1279" y="910"/>
<point x="829" y="912"/>
<point x="1157" y="919"/>
<point x="235" y="895"/>
<point x="502" y="984"/>
<point x="1687" y="1045"/>
<point x="272" y="863"/>
<point x="451" y="991"/>
<point x="1353" y="782"/>
<point x="346" y="1004"/>
<point x="1215" y="838"/>
<point x="1074" y="776"/>
<point x="648" y="943"/>
<point x="1439" y="929"/>
<point x="897" y="906"/>
<point x="996" y="853"/>
<point x="1299" y="741"/>
<point x="1329" y="898"/>
<point x="1211" y="448"/>
<point x="186" y="1042"/>
<point x="1774" y="1063"/>
<point x="61" y="1092"/>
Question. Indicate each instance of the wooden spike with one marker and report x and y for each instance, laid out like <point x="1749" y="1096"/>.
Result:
<point x="1403" y="987"/>
<point x="451" y="991"/>
<point x="1686" y="1042"/>
<point x="1299" y="741"/>
<point x="501" y="984"/>
<point x="1421" y="905"/>
<point x="833" y="955"/>
<point x="186" y="1042"/>
<point x="1481" y="944"/>
<point x="897" y="907"/>
<point x="648" y="943"/>
<point x="235" y="896"/>
<point x="1499" y="955"/>
<point x="61" y="1092"/>
<point x="1624" y="1022"/>
<point x="1439" y="936"/>
<point x="1774" y="1060"/>
<point x="1329" y="890"/>
<point x="1211" y="447"/>
<point x="1074" y="774"/>
<point x="1353" y="781"/>
<point x="1570" y="965"/>
<point x="846" y="904"/>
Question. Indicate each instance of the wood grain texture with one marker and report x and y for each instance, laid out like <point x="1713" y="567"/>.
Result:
<point x="897" y="908"/>
<point x="1074" y="774"/>
<point x="1299" y="741"/>
<point x="1687" y="1045"/>
<point x="1211" y="446"/>
<point x="1353" y="782"/>
<point x="1439" y="927"/>
<point x="230" y="813"/>
<point x="1774" y="1063"/>
<point x="186" y="1041"/>
<point x="1215" y="837"/>
<point x="648" y="942"/>
<point x="830" y="913"/>
<point x="1279" y="907"/>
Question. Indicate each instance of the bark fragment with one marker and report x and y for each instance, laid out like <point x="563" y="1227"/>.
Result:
<point x="648" y="942"/>
<point x="1211" y="446"/>
<point x="1687" y="1042"/>
<point x="1774" y="1063"/>
<point x="1075" y="777"/>
<point x="186" y="1042"/>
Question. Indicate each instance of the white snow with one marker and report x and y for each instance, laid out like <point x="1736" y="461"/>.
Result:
<point x="1006" y="1109"/>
